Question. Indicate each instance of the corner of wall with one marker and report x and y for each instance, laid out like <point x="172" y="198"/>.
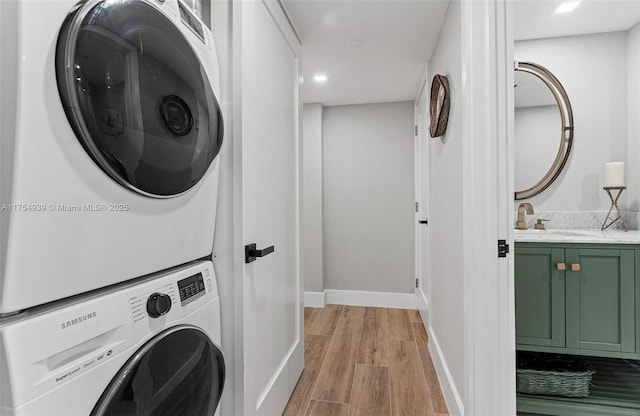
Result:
<point x="449" y="390"/>
<point x="315" y="299"/>
<point x="423" y="305"/>
<point x="311" y="213"/>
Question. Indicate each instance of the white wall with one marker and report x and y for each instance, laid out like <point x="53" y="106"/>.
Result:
<point x="471" y="327"/>
<point x="369" y="197"/>
<point x="593" y="71"/>
<point x="311" y="228"/>
<point x="633" y="102"/>
<point x="446" y="319"/>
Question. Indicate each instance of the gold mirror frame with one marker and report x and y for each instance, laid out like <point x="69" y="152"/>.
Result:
<point x="566" y="134"/>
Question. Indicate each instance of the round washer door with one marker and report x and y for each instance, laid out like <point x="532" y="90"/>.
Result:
<point x="179" y="372"/>
<point x="137" y="96"/>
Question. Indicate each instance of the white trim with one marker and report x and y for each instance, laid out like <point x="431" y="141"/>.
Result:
<point x="449" y="390"/>
<point x="375" y="299"/>
<point x="489" y="337"/>
<point x="315" y="299"/>
<point x="423" y="306"/>
<point x="421" y="177"/>
<point x="236" y="51"/>
<point x="281" y="18"/>
<point x="417" y="257"/>
<point x="506" y="334"/>
<point x="288" y="16"/>
<point x="361" y="298"/>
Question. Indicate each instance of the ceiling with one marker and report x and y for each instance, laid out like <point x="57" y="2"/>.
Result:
<point x="376" y="50"/>
<point x="535" y="19"/>
<point x="370" y="50"/>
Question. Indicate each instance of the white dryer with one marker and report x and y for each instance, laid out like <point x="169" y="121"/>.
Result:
<point x="152" y="348"/>
<point x="110" y="134"/>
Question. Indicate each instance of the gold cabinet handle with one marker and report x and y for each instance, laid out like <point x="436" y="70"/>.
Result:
<point x="561" y="266"/>
<point x="575" y="267"/>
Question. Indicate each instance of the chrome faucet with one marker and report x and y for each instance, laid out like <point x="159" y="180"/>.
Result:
<point x="524" y="208"/>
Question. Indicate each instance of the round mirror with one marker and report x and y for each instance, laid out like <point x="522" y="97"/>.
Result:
<point x="543" y="129"/>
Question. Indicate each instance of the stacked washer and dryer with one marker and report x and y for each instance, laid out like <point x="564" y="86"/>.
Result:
<point x="108" y="182"/>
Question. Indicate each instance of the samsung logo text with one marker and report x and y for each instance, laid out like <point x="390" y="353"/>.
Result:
<point x="76" y="321"/>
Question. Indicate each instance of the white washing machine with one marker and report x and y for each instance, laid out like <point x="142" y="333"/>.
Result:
<point x="152" y="348"/>
<point x="110" y="134"/>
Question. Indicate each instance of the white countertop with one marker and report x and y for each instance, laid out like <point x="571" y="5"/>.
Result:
<point x="577" y="236"/>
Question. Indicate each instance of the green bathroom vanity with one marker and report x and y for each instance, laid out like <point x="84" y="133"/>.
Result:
<point x="578" y="292"/>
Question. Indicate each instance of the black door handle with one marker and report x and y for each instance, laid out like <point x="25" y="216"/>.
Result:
<point x="425" y="222"/>
<point x="251" y="253"/>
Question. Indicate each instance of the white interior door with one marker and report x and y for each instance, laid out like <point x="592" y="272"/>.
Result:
<point x="272" y="291"/>
<point x="422" y="190"/>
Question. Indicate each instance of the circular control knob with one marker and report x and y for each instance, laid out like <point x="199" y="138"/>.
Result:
<point x="158" y="304"/>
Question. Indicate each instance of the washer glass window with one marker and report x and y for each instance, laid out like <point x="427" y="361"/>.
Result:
<point x="137" y="96"/>
<point x="180" y="372"/>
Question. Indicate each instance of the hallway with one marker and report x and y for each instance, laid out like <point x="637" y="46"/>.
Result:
<point x="366" y="362"/>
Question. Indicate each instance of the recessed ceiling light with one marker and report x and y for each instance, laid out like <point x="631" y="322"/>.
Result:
<point x="320" y="78"/>
<point x="567" y="6"/>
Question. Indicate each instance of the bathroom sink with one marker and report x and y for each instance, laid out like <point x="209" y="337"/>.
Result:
<point x="570" y="233"/>
<point x="578" y="236"/>
<point x="560" y="233"/>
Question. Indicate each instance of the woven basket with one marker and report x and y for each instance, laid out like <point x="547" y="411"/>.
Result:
<point x="572" y="379"/>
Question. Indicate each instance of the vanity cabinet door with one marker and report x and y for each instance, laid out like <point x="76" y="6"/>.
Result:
<point x="600" y="299"/>
<point x="540" y="296"/>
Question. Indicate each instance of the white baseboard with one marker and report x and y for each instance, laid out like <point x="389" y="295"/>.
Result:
<point x="423" y="307"/>
<point x="360" y="298"/>
<point x="449" y="390"/>
<point x="315" y="299"/>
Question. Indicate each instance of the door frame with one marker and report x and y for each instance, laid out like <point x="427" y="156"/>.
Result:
<point x="488" y="293"/>
<point x="421" y="141"/>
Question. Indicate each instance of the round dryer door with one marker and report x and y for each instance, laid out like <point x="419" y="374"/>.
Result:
<point x="137" y="96"/>
<point x="179" y="372"/>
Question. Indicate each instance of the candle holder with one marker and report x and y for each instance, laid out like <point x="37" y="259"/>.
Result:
<point x="609" y="221"/>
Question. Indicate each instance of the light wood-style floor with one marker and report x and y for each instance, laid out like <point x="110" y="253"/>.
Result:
<point x="365" y="362"/>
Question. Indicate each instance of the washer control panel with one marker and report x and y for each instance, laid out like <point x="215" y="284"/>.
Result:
<point x="158" y="304"/>
<point x="191" y="288"/>
<point x="191" y="21"/>
<point x="171" y="296"/>
<point x="152" y="300"/>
